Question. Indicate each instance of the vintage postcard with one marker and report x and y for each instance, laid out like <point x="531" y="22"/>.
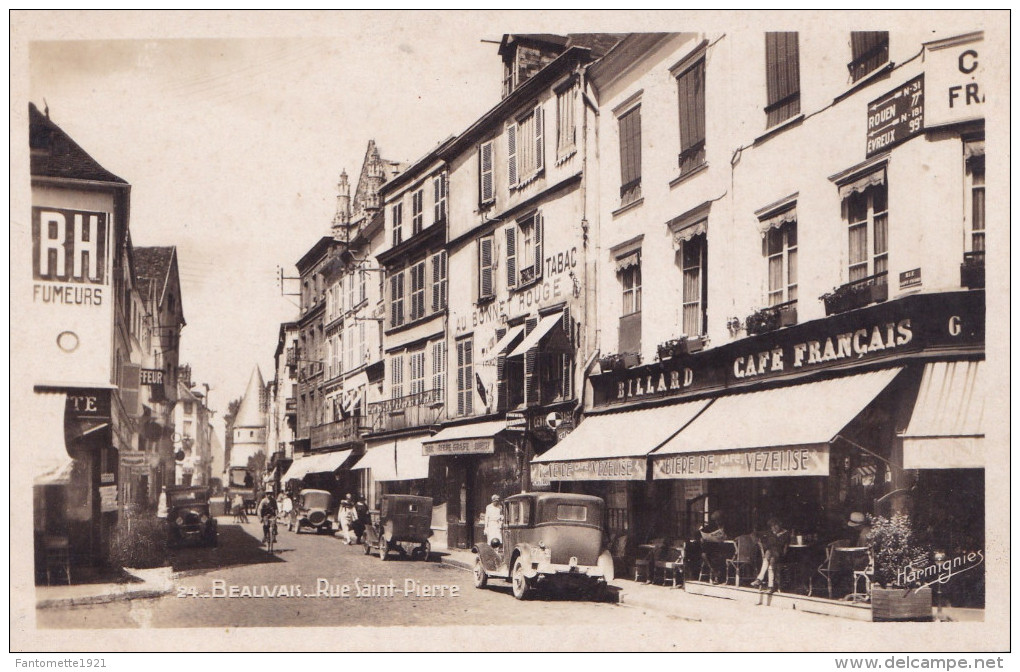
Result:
<point x="526" y="331"/>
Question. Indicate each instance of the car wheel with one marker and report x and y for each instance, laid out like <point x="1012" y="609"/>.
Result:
<point x="519" y="582"/>
<point x="481" y="578"/>
<point x="383" y="547"/>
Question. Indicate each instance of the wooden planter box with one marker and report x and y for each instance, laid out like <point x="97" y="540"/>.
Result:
<point x="898" y="604"/>
<point x="851" y="297"/>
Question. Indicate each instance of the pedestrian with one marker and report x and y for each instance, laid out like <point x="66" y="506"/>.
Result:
<point x="774" y="543"/>
<point x="361" y="517"/>
<point x="287" y="509"/>
<point x="346" y="517"/>
<point x="494" y="522"/>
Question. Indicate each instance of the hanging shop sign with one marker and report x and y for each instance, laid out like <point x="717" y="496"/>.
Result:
<point x="882" y="332"/>
<point x="107" y="498"/>
<point x="460" y="447"/>
<point x="756" y="463"/>
<point x="607" y="469"/>
<point x="152" y="377"/>
<point x="896" y="117"/>
<point x="955" y="72"/>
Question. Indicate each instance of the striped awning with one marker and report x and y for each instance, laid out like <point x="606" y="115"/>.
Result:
<point x="947" y="427"/>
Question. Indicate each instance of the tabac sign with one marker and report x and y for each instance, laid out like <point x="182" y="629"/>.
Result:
<point x="69" y="256"/>
<point x="755" y="463"/>
<point x="605" y="469"/>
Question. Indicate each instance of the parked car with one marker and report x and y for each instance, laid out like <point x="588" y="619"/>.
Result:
<point x="313" y="507"/>
<point x="188" y="516"/>
<point x="404" y="524"/>
<point x="548" y="539"/>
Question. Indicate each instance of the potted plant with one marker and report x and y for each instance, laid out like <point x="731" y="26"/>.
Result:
<point x="762" y="321"/>
<point x="613" y="362"/>
<point x="671" y="348"/>
<point x="898" y="558"/>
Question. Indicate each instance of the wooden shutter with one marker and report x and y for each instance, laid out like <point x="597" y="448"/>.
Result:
<point x="511" y="146"/>
<point x="539" y="231"/>
<point x="485" y="183"/>
<point x="869" y="50"/>
<point x="531" y="377"/>
<point x="130" y="387"/>
<point x="630" y="147"/>
<point x="501" y="381"/>
<point x="539" y="138"/>
<point x="511" y="255"/>
<point x="485" y="267"/>
<point x="691" y="91"/>
<point x="782" y="69"/>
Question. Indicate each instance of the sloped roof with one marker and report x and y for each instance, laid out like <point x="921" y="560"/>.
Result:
<point x="55" y="154"/>
<point x="154" y="263"/>
<point x="249" y="413"/>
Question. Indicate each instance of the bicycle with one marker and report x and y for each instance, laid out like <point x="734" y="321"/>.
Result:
<point x="271" y="535"/>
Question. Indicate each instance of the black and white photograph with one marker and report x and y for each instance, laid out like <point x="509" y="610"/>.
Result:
<point x="484" y="331"/>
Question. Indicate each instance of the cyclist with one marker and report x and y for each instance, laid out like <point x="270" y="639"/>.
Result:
<point x="267" y="511"/>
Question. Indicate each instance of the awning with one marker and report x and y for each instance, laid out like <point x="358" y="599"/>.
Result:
<point x="613" y="446"/>
<point x="946" y="429"/>
<point x="471" y="439"/>
<point x="502" y="344"/>
<point x="537" y="334"/>
<point x="627" y="260"/>
<point x="859" y="184"/>
<point x="779" y="432"/>
<point x="51" y="463"/>
<point x="776" y="220"/>
<point x="401" y="460"/>
<point x="315" y="464"/>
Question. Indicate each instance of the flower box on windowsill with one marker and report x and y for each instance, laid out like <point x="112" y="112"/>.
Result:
<point x="680" y="346"/>
<point x="972" y="270"/>
<point x="771" y="318"/>
<point x="619" y="362"/>
<point x="857" y="294"/>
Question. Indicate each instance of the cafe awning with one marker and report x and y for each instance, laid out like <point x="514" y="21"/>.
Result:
<point x="779" y="432"/>
<point x="946" y="429"/>
<point x="398" y="460"/>
<point x="51" y="463"/>
<point x="541" y="330"/>
<point x="315" y="464"/>
<point x="470" y="439"/>
<point x="613" y="446"/>
<point x="512" y="334"/>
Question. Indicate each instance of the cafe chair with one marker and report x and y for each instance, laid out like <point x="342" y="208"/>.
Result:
<point x="836" y="562"/>
<point x="863" y="570"/>
<point x="743" y="558"/>
<point x="670" y="566"/>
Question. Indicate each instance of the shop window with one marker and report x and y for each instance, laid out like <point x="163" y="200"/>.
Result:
<point x="465" y="376"/>
<point x="780" y="248"/>
<point x="693" y="255"/>
<point x="691" y="93"/>
<point x="869" y="51"/>
<point x="525" y="148"/>
<point x="398" y="223"/>
<point x="782" y="75"/>
<point x="868" y="221"/>
<point x="630" y="155"/>
<point x="417" y="211"/>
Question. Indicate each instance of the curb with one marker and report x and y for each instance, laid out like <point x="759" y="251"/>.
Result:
<point x="459" y="564"/>
<point x="101" y="599"/>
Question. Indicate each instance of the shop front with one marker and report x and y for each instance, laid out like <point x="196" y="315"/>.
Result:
<point x="321" y="471"/>
<point x="393" y="465"/>
<point x="472" y="462"/>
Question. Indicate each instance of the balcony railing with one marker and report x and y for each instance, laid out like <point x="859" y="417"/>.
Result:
<point x="972" y="270"/>
<point x="335" y="433"/>
<point x="857" y="294"/>
<point x="412" y="410"/>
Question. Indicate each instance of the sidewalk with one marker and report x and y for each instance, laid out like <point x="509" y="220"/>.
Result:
<point x="682" y="605"/>
<point x="142" y="584"/>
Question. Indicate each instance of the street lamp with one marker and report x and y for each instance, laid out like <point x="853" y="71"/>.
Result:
<point x="940" y="557"/>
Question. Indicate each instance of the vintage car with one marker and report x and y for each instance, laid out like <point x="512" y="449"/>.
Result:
<point x="403" y="523"/>
<point x="548" y="539"/>
<point x="188" y="518"/>
<point x="313" y="507"/>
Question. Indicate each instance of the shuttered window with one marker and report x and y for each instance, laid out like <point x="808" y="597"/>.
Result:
<point x="485" y="284"/>
<point x="465" y="377"/>
<point x="630" y="156"/>
<point x="782" y="76"/>
<point x="511" y="148"/>
<point x="691" y="94"/>
<point x="439" y="197"/>
<point x="397" y="376"/>
<point x="417" y="371"/>
<point x="439" y="282"/>
<point x="397" y="299"/>
<point x="528" y="255"/>
<point x="398" y="223"/>
<point x="531" y="372"/>
<point x="869" y="49"/>
<point x="486" y="184"/>
<point x="439" y="365"/>
<point x="511" y="255"/>
<point x="526" y="147"/>
<point x="566" y="129"/>
<point x="417" y="216"/>
<point x="418" y="291"/>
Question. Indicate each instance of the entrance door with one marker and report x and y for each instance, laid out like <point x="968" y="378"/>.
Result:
<point x="459" y="510"/>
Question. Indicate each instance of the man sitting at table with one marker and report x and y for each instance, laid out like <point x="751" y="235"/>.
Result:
<point x="713" y="534"/>
<point x="774" y="543"/>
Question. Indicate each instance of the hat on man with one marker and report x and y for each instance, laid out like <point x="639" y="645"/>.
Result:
<point x="856" y="519"/>
<point x="495" y="498"/>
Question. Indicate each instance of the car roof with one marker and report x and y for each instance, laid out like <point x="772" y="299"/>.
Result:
<point x="312" y="490"/>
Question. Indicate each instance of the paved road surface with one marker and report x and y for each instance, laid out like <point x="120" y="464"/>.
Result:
<point x="313" y="563"/>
